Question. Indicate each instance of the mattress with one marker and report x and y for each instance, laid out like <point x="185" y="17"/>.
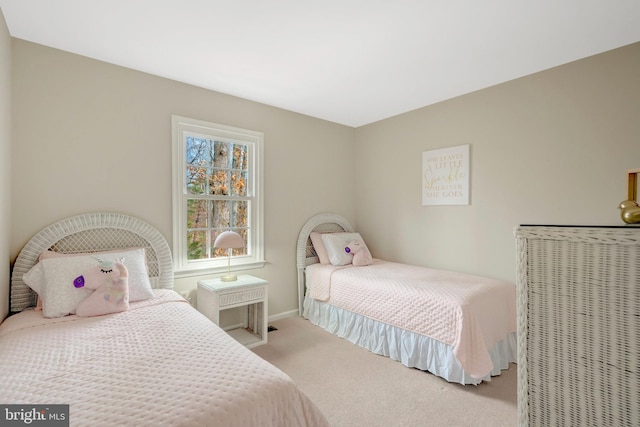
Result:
<point x="159" y="363"/>
<point x="469" y="313"/>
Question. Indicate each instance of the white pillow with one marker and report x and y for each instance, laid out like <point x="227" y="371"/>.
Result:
<point x="135" y="260"/>
<point x="52" y="279"/>
<point x="335" y="243"/>
<point x="55" y="284"/>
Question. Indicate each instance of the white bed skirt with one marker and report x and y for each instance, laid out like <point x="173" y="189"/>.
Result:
<point x="411" y="349"/>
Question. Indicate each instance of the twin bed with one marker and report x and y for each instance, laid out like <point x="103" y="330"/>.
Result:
<point x="457" y="326"/>
<point x="159" y="362"/>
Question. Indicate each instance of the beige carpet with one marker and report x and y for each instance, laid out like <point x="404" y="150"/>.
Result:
<point x="354" y="387"/>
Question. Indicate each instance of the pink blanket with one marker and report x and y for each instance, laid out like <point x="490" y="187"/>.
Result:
<point x="470" y="313"/>
<point x="159" y="363"/>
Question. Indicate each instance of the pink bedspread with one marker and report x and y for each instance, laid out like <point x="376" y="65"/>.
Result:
<point x="159" y="363"/>
<point x="470" y="313"/>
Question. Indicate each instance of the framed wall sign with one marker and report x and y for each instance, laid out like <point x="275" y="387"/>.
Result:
<point x="445" y="176"/>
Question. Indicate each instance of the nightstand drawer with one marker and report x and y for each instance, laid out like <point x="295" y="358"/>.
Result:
<point x="248" y="295"/>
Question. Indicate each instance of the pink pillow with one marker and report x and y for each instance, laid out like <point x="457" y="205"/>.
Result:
<point x="318" y="245"/>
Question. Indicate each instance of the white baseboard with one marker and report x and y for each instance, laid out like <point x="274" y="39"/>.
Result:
<point x="275" y="317"/>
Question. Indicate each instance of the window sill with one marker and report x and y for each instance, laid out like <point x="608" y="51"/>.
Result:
<point x="217" y="270"/>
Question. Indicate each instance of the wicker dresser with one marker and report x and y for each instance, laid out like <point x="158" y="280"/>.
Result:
<point x="578" y="325"/>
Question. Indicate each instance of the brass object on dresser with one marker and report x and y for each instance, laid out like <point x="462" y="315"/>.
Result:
<point x="630" y="212"/>
<point x="629" y="209"/>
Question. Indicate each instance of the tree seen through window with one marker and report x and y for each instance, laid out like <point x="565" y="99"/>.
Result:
<point x="217" y="179"/>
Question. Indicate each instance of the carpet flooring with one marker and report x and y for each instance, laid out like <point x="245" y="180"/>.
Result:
<point x="354" y="387"/>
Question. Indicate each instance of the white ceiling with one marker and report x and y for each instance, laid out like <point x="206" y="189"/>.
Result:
<point x="348" y="61"/>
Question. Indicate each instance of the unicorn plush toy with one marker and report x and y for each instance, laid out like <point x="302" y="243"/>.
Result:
<point x="361" y="254"/>
<point x="111" y="294"/>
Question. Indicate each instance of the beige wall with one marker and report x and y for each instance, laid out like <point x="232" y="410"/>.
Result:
<point x="90" y="136"/>
<point x="5" y="163"/>
<point x="550" y="148"/>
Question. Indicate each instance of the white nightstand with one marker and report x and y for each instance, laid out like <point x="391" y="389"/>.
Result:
<point x="215" y="295"/>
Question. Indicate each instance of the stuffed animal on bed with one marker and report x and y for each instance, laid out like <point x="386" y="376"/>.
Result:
<point x="361" y="254"/>
<point x="111" y="294"/>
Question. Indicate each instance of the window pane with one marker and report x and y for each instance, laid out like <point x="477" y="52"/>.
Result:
<point x="198" y="150"/>
<point x="197" y="245"/>
<point x="239" y="157"/>
<point x="198" y="162"/>
<point x="240" y="214"/>
<point x="221" y="154"/>
<point x="196" y="179"/>
<point x="221" y="214"/>
<point x="219" y="182"/>
<point x="238" y="183"/>
<point x="197" y="213"/>
<point x="240" y="223"/>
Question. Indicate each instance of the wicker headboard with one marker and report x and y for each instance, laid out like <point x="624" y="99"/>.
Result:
<point x="93" y="232"/>
<point x="305" y="253"/>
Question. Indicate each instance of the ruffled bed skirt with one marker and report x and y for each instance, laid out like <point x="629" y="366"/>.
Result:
<point x="412" y="349"/>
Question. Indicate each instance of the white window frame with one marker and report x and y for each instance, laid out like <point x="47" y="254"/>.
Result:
<point x="181" y="126"/>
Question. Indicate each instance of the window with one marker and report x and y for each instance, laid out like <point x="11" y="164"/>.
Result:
<point x="217" y="186"/>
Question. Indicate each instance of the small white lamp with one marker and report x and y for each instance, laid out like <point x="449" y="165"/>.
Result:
<point x="229" y="240"/>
